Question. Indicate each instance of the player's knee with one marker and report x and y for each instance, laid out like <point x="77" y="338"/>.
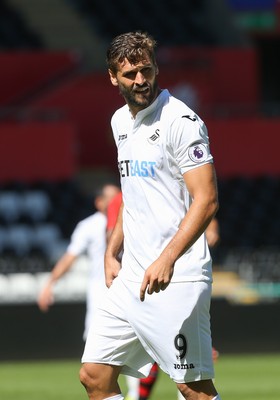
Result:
<point x="184" y="391"/>
<point x="83" y="376"/>
<point x="205" y="387"/>
<point x="87" y="377"/>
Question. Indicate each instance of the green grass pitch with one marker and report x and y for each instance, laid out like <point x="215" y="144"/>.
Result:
<point x="242" y="377"/>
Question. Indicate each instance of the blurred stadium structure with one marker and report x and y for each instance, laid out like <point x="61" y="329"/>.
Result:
<point x="56" y="102"/>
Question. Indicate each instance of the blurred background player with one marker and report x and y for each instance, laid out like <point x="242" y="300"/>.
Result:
<point x="138" y="389"/>
<point x="89" y="237"/>
<point x="141" y="389"/>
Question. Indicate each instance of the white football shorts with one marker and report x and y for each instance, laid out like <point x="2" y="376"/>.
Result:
<point x="171" y="327"/>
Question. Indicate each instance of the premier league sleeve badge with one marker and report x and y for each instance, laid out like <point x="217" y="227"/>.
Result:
<point x="198" y="153"/>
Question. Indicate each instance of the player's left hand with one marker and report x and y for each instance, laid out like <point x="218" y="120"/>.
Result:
<point x="157" y="277"/>
<point x="112" y="268"/>
<point x="45" y="298"/>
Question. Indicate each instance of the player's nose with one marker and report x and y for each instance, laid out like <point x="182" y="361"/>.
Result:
<point x="139" y="78"/>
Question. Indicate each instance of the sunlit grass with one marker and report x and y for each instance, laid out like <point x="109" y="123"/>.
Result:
<point x="242" y="377"/>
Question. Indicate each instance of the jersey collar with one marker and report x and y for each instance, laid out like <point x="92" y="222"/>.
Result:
<point x="164" y="94"/>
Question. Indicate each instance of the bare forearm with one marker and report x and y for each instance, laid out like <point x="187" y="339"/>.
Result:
<point x="115" y="244"/>
<point x="190" y="229"/>
<point x="46" y="297"/>
<point x="112" y="254"/>
<point x="213" y="233"/>
<point x="62" y="266"/>
<point x="115" y="238"/>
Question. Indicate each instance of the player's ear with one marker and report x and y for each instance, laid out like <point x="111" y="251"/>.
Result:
<point x="156" y="69"/>
<point x="113" y="78"/>
<point x="98" y="203"/>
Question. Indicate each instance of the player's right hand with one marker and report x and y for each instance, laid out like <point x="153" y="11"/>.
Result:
<point x="45" y="299"/>
<point x="157" y="277"/>
<point x="112" y="269"/>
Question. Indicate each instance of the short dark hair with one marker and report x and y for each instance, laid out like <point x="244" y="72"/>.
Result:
<point x="133" y="46"/>
<point x="99" y="189"/>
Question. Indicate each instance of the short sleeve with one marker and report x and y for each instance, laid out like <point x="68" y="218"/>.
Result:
<point x="79" y="240"/>
<point x="189" y="142"/>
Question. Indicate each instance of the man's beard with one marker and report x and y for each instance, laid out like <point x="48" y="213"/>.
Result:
<point x="139" y="100"/>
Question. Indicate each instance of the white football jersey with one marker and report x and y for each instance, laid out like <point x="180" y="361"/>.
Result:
<point x="155" y="149"/>
<point x="89" y="237"/>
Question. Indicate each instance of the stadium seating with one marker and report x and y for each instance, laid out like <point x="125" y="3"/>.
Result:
<point x="36" y="206"/>
<point x="14" y="32"/>
<point x="249" y="217"/>
<point x="19" y="239"/>
<point x="10" y="206"/>
<point x="172" y="23"/>
<point x="249" y="212"/>
<point x="36" y="222"/>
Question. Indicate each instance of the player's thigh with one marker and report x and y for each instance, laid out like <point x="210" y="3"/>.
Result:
<point x="174" y="326"/>
<point x="112" y="340"/>
<point x="109" y="330"/>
